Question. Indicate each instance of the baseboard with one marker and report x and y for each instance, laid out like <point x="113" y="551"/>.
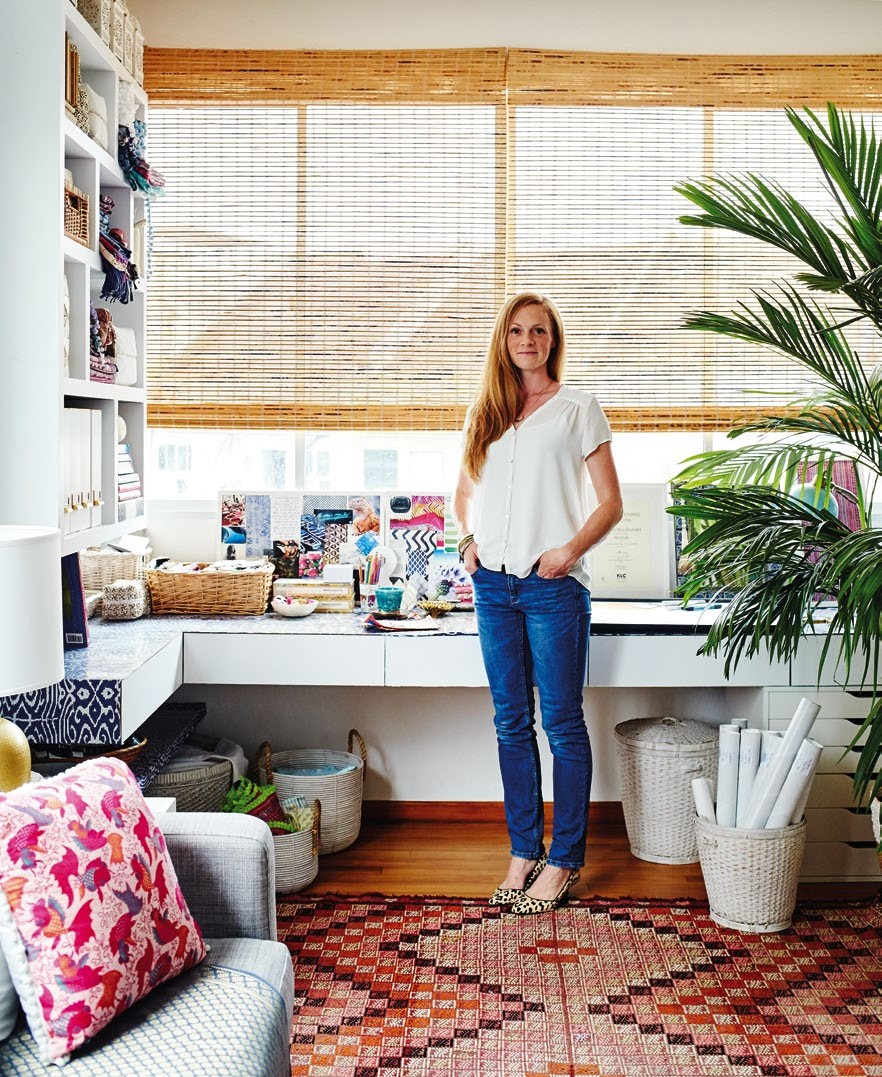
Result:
<point x="470" y="811"/>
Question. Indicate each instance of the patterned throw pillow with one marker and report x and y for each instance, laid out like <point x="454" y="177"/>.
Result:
<point x="91" y="914"/>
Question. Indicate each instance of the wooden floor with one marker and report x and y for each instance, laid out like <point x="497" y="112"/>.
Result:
<point x="467" y="858"/>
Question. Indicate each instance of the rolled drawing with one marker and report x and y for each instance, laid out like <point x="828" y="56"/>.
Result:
<point x="704" y="799"/>
<point x="765" y="792"/>
<point x="748" y="764"/>
<point x="771" y="742"/>
<point x="797" y="783"/>
<point x="727" y="775"/>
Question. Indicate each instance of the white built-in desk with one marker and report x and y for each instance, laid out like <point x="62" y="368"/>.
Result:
<point x="132" y="667"/>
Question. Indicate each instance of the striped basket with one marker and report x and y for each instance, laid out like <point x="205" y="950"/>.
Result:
<point x="340" y="794"/>
<point x="297" y="855"/>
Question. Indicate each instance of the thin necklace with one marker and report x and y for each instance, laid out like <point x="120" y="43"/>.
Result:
<point x="537" y="396"/>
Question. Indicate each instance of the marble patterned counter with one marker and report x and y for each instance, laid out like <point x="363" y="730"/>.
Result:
<point x="134" y="666"/>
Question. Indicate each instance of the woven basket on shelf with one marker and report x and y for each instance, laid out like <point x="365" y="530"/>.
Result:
<point x="297" y="855"/>
<point x="658" y="758"/>
<point x="76" y="214"/>
<point x="201" y="787"/>
<point x="340" y="794"/>
<point x="100" y="567"/>
<point x="751" y="875"/>
<point x="200" y="593"/>
<point x="48" y="754"/>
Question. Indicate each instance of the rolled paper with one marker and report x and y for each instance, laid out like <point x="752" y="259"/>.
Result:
<point x="798" y="813"/>
<point x="748" y="764"/>
<point x="704" y="799"/>
<point x="765" y="792"/>
<point x="727" y="775"/>
<point x="796" y="784"/>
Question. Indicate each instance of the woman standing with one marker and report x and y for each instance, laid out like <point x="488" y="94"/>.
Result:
<point x="522" y="508"/>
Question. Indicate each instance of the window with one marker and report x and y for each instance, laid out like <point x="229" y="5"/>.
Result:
<point x="333" y="256"/>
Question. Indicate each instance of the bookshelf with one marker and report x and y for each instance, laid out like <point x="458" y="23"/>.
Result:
<point x="43" y="400"/>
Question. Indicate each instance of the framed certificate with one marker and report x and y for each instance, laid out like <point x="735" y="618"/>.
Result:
<point x="636" y="560"/>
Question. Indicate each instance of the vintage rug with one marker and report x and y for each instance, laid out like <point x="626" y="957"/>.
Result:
<point x="446" y="986"/>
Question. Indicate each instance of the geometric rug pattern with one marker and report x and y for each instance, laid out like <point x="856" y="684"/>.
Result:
<point x="610" y="988"/>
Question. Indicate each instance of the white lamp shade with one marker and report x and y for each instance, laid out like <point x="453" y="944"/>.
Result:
<point x="31" y="648"/>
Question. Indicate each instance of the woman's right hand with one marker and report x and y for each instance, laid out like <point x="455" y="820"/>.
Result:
<point x="470" y="558"/>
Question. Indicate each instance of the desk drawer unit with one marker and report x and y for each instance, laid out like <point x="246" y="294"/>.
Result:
<point x="839" y="838"/>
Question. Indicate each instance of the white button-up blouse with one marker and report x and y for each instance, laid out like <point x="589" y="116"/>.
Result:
<point x="533" y="491"/>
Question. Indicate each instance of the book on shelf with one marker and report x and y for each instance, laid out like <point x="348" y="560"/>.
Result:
<point x="128" y="495"/>
<point x="128" y="510"/>
<point x="73" y="603"/>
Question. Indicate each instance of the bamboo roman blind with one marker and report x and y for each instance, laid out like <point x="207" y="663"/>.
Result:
<point x="341" y="227"/>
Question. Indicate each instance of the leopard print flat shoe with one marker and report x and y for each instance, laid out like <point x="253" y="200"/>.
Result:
<point x="529" y="906"/>
<point x="506" y="895"/>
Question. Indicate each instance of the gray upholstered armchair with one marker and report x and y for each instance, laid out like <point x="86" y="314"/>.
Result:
<point x="230" y="1015"/>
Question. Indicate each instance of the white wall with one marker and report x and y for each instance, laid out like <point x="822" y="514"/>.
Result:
<point x="675" y="26"/>
<point x="436" y="743"/>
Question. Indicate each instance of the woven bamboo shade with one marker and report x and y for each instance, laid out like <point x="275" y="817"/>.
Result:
<point x="342" y="226"/>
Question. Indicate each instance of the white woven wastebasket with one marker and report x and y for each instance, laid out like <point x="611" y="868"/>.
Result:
<point x="297" y="855"/>
<point x="751" y="875"/>
<point x="658" y="758"/>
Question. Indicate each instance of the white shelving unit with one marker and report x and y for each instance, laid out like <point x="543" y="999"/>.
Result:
<point x="35" y="258"/>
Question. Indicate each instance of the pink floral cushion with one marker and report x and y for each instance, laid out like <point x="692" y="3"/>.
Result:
<point x="91" y="914"/>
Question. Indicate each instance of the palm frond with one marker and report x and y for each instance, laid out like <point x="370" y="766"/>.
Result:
<point x="850" y="159"/>
<point x="765" y="211"/>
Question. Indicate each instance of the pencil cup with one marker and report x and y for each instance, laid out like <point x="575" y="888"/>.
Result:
<point x="368" y="598"/>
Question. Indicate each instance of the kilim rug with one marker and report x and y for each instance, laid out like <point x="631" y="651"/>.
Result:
<point x="446" y="986"/>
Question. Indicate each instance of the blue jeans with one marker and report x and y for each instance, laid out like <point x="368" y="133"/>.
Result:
<point x="534" y="631"/>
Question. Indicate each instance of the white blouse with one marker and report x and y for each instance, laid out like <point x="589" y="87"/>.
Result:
<point x="533" y="494"/>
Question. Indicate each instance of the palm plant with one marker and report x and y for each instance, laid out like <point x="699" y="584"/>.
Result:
<point x="765" y="509"/>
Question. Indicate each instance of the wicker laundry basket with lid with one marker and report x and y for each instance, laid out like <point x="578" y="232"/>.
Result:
<point x="658" y="759"/>
<point x="339" y="789"/>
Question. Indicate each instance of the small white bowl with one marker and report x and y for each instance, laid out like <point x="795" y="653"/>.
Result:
<point x="297" y="608"/>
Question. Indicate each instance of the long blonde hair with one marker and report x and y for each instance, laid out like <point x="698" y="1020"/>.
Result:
<point x="499" y="394"/>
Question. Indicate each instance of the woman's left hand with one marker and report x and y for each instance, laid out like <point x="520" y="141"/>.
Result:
<point x="554" y="564"/>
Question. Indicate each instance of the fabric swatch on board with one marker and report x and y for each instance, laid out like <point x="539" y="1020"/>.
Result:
<point x="258" y="541"/>
<point x="419" y="542"/>
<point x="312" y="533"/>
<point x="311" y="502"/>
<point x="335" y="534"/>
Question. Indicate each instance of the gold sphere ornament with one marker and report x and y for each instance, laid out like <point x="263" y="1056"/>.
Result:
<point x="15" y="756"/>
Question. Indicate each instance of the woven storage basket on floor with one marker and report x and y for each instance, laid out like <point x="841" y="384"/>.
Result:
<point x="297" y="855"/>
<point x="658" y="758"/>
<point x="751" y="875"/>
<point x="198" y="788"/>
<point x="210" y="592"/>
<point x="340" y="794"/>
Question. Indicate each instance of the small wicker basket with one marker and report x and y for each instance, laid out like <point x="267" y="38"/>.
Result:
<point x="100" y="567"/>
<point x="340" y="794"/>
<point x="197" y="593"/>
<point x="76" y="214"/>
<point x="658" y="758"/>
<point x="297" y="855"/>
<point x="201" y="787"/>
<point x="751" y="876"/>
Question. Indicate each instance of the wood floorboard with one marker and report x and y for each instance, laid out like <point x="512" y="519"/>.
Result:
<point x="468" y="859"/>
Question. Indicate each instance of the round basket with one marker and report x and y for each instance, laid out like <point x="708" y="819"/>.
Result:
<point x="198" y="788"/>
<point x="751" y="875"/>
<point x="297" y="856"/>
<point x="658" y="758"/>
<point x="340" y="794"/>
